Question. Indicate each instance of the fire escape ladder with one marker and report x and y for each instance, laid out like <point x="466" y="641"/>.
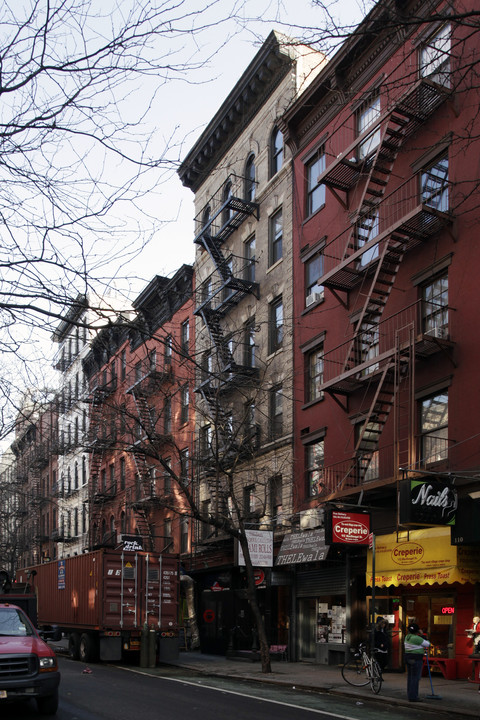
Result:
<point x="376" y="417"/>
<point x="143" y="526"/>
<point x="212" y="321"/>
<point x="212" y="246"/>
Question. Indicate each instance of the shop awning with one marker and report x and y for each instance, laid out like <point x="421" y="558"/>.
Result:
<point x="422" y="557"/>
<point x="302" y="547"/>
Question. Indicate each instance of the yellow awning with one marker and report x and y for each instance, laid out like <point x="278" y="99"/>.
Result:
<point x="421" y="557"/>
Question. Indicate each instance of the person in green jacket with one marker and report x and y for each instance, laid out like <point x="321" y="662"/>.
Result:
<point x="415" y="646"/>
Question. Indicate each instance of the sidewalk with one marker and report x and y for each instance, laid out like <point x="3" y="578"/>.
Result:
<point x="459" y="698"/>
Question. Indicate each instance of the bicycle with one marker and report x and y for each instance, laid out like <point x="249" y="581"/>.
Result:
<point x="361" y="669"/>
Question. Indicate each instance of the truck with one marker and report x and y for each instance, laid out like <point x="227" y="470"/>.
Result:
<point x="108" y="602"/>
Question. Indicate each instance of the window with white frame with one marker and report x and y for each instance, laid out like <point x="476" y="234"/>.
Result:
<point x="313" y="271"/>
<point x="275" y="237"/>
<point x="249" y="343"/>
<point x="366" y="229"/>
<point x="276" y="151"/>
<point x="250" y="179"/>
<point x="185" y="337"/>
<point x="314" y="467"/>
<point x="276" y="325"/>
<point x="435" y="56"/>
<point x="434" y="428"/>
<point x="315" y="189"/>
<point x="276" y="412"/>
<point x="368" y="115"/>
<point x="249" y="273"/>
<point x="314" y="374"/>
<point x="434" y="184"/>
<point x="435" y="307"/>
<point x="184" y="404"/>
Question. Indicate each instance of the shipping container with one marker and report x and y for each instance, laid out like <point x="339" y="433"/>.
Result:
<point x="103" y="600"/>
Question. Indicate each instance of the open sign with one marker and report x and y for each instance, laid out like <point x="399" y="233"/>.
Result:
<point x="448" y="610"/>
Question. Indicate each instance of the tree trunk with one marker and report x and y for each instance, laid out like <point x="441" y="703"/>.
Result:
<point x="252" y="600"/>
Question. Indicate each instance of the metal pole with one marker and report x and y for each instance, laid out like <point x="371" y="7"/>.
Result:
<point x="372" y="607"/>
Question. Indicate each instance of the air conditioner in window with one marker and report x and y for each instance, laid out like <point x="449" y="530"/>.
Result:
<point x="439" y="331"/>
<point x="313" y="298"/>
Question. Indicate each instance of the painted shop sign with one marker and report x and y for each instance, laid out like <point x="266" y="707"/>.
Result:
<point x="347" y="528"/>
<point x="303" y="547"/>
<point x="427" y="501"/>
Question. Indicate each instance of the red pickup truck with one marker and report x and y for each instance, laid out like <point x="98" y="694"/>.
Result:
<point x="28" y="666"/>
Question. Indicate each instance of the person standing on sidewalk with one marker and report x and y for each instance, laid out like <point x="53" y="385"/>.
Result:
<point x="382" y="642"/>
<point x="415" y="646"/>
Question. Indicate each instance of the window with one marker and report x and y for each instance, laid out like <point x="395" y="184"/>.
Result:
<point x="435" y="57"/>
<point x="275" y="237"/>
<point x="367" y="115"/>
<point x="185" y="337"/>
<point x="368" y="458"/>
<point x="366" y="229"/>
<point x="205" y="439"/>
<point x="276" y="412"/>
<point x="206" y="366"/>
<point x="167" y="531"/>
<point x="249" y="274"/>
<point x="112" y="481"/>
<point x="152" y="360"/>
<point x="276" y="486"/>
<point x="184" y="401"/>
<point x="434" y="428"/>
<point x="84" y="519"/>
<point x="227" y="195"/>
<point x="249" y="501"/>
<point x="75" y="476"/>
<point x="249" y="343"/>
<point x="315" y="190"/>
<point x="205" y="528"/>
<point x="184" y="525"/>
<point x="167" y="415"/>
<point x="103" y="480"/>
<point x="167" y="357"/>
<point x="84" y="470"/>
<point x="207" y="216"/>
<point x="185" y="465"/>
<point x="138" y="371"/>
<point x="228" y="270"/>
<point x="123" y="365"/>
<point x="314" y="462"/>
<point x="276" y="151"/>
<point x="313" y="271"/>
<point x="250" y="184"/>
<point x="276" y="325"/>
<point x="434" y="184"/>
<point x="122" y="473"/>
<point x="75" y="522"/>
<point x="435" y="307"/>
<point x="369" y="345"/>
<point x="167" y="476"/>
<point x="314" y="374"/>
<point x="249" y="424"/>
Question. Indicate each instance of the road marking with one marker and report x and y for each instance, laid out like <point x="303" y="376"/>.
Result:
<point x="242" y="694"/>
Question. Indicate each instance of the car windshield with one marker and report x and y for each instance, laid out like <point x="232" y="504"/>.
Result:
<point x="14" y="622"/>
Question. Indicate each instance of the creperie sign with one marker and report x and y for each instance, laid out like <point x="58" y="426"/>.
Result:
<point x="350" y="528"/>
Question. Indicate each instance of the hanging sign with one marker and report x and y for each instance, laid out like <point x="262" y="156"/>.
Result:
<point x="347" y="528"/>
<point x="427" y="501"/>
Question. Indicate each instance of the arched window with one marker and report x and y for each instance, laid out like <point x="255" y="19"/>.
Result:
<point x="227" y="194"/>
<point x="250" y="184"/>
<point x="276" y="151"/>
<point x="75" y="476"/>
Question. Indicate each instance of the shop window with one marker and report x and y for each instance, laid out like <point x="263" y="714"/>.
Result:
<point x="434" y="428"/>
<point x="435" y="56"/>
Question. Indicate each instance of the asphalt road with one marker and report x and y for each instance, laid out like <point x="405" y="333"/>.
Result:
<point x="115" y="693"/>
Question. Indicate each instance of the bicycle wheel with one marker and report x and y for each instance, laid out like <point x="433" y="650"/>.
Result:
<point x="376" y="678"/>
<point x="353" y="672"/>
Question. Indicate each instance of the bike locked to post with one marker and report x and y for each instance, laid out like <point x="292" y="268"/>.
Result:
<point x="362" y="669"/>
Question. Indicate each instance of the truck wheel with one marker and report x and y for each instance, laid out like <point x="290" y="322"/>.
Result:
<point x="48" y="705"/>
<point x="88" y="648"/>
<point x="74" y="646"/>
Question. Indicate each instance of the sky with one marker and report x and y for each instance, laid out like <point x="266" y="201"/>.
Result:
<point x="192" y="104"/>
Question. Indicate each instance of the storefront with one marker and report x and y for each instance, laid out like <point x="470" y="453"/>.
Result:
<point x="420" y="576"/>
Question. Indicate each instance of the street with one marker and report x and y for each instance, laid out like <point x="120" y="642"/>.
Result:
<point x="121" y="693"/>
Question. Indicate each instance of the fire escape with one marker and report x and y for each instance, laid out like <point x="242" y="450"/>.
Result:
<point x="229" y="283"/>
<point x="386" y="224"/>
<point x="100" y="437"/>
<point x="145" y="379"/>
